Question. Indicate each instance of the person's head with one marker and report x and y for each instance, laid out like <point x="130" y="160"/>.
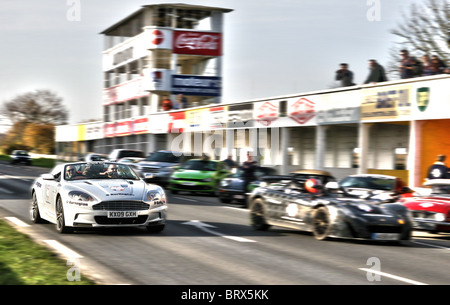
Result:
<point x="344" y="66"/>
<point x="404" y="53"/>
<point x="372" y="63"/>
<point x="69" y="171"/>
<point x="441" y="158"/>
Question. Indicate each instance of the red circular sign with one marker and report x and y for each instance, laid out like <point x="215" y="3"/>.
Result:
<point x="158" y="37"/>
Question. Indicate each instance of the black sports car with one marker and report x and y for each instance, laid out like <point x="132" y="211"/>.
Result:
<point x="232" y="187"/>
<point x="326" y="211"/>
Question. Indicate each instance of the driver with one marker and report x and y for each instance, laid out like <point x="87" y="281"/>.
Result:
<point x="112" y="171"/>
<point x="70" y="172"/>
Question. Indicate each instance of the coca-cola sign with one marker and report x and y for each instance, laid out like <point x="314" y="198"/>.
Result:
<point x="197" y="43"/>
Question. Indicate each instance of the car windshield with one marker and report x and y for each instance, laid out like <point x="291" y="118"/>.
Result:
<point x="200" y="165"/>
<point x="98" y="170"/>
<point x="21" y="153"/>
<point x="163" y="157"/>
<point x="373" y="183"/>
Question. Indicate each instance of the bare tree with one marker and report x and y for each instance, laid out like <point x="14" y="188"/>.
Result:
<point x="425" y="30"/>
<point x="40" y="106"/>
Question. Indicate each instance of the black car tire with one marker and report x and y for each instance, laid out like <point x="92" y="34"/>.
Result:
<point x="321" y="223"/>
<point x="155" y="229"/>
<point x="257" y="217"/>
<point x="60" y="219"/>
<point x="35" y="215"/>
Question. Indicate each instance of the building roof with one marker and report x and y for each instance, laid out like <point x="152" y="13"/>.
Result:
<point x="167" y="5"/>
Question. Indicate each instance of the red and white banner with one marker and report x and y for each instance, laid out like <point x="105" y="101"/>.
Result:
<point x="197" y="43"/>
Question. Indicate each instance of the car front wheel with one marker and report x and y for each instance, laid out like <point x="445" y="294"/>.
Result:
<point x="60" y="219"/>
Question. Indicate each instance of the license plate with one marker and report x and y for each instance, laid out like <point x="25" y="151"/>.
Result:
<point x="122" y="214"/>
<point x="386" y="236"/>
<point x="188" y="183"/>
<point x="238" y="197"/>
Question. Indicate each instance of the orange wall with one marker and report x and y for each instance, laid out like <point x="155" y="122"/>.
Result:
<point x="435" y="141"/>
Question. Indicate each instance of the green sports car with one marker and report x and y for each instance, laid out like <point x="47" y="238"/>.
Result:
<point x="198" y="175"/>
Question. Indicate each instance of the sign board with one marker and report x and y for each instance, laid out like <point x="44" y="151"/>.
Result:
<point x="197" y="43"/>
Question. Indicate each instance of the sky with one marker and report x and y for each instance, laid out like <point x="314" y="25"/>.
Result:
<point x="271" y="48"/>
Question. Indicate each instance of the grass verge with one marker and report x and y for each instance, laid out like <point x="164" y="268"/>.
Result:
<point x="23" y="262"/>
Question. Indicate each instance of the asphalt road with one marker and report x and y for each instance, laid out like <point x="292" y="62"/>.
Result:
<point x="209" y="243"/>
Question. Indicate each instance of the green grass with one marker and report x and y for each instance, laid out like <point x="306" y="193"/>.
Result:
<point x="42" y="162"/>
<point x="23" y="262"/>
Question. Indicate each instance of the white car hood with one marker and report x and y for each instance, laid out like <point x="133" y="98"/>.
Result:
<point x="112" y="189"/>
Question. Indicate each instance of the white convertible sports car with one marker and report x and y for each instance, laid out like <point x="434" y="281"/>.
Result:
<point x="97" y="194"/>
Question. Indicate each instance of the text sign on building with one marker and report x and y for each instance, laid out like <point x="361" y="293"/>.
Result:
<point x="197" y="43"/>
<point x="197" y="85"/>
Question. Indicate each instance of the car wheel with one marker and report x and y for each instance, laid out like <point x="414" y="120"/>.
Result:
<point x="257" y="217"/>
<point x="35" y="215"/>
<point x="155" y="229"/>
<point x="321" y="223"/>
<point x="60" y="219"/>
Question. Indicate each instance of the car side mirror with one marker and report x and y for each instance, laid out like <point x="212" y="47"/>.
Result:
<point x="48" y="177"/>
<point x="332" y="186"/>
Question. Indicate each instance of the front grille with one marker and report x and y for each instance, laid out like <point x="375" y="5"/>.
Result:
<point x="384" y="229"/>
<point x="121" y="206"/>
<point x="104" y="220"/>
<point x="423" y="214"/>
<point x="188" y="179"/>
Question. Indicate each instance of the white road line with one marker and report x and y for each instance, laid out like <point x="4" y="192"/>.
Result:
<point x="398" y="278"/>
<point x="66" y="252"/>
<point x="431" y="245"/>
<point x="205" y="228"/>
<point x="237" y="209"/>
<point x="17" y="222"/>
<point x="187" y="199"/>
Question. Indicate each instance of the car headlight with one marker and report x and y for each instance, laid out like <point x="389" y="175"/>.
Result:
<point x="78" y="196"/>
<point x="225" y="183"/>
<point x="156" y="196"/>
<point x="439" y="216"/>
<point x="364" y="207"/>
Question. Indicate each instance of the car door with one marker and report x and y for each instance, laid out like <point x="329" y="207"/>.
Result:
<point x="50" y="190"/>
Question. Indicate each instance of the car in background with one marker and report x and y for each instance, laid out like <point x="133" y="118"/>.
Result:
<point x="327" y="211"/>
<point x="97" y="194"/>
<point x="231" y="188"/>
<point x="430" y="206"/>
<point x="198" y="175"/>
<point x="20" y="156"/>
<point x="118" y="154"/>
<point x="389" y="188"/>
<point x="95" y="157"/>
<point x="158" y="166"/>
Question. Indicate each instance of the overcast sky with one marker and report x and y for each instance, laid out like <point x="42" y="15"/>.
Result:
<point x="271" y="48"/>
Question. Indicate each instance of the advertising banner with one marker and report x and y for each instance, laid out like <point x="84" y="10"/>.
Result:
<point x="157" y="80"/>
<point x="197" y="85"/>
<point x="177" y="122"/>
<point x="197" y="43"/>
<point x="265" y="113"/>
<point x="130" y="90"/>
<point x="386" y="103"/>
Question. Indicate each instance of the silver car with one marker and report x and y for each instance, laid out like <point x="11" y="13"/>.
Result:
<point x="159" y="166"/>
<point x="97" y="194"/>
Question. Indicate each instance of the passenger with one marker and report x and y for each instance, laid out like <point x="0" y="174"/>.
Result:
<point x="376" y="74"/>
<point x="426" y="63"/>
<point x="166" y="103"/>
<point x="248" y="168"/>
<point x="438" y="170"/>
<point x="406" y="65"/>
<point x="345" y="75"/>
<point x="437" y="65"/>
